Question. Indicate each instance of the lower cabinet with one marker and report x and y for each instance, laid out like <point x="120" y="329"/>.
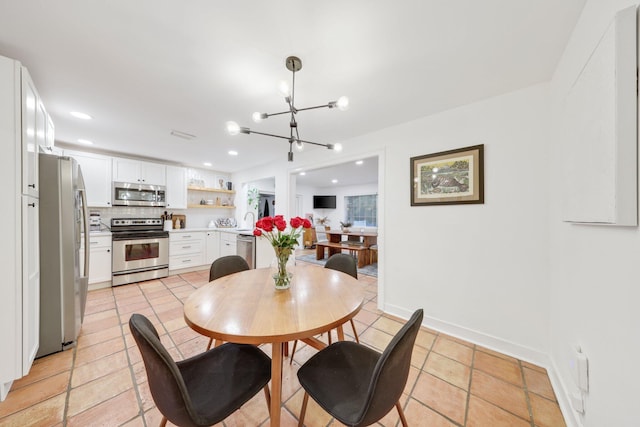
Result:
<point x="228" y="243"/>
<point x="186" y="249"/>
<point x="213" y="246"/>
<point x="99" y="259"/>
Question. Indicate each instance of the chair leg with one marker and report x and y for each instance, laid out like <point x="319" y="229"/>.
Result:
<point x="163" y="422"/>
<point x="303" y="410"/>
<point x="401" y="413"/>
<point x="355" y="334"/>
<point x="210" y="342"/>
<point x="267" y="396"/>
<point x="293" y="351"/>
<point x="329" y="336"/>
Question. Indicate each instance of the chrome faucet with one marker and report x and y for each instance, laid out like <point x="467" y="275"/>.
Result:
<point x="253" y="219"/>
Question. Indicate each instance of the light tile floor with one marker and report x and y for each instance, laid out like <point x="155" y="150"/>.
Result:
<point x="102" y="382"/>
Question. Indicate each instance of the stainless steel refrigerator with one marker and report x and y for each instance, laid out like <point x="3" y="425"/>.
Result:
<point x="63" y="282"/>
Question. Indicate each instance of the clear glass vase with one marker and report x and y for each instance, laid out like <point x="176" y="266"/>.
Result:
<point x="282" y="267"/>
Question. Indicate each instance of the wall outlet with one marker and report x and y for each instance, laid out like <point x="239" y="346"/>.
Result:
<point x="579" y="365"/>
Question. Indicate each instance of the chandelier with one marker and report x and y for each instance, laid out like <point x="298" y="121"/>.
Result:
<point x="293" y="64"/>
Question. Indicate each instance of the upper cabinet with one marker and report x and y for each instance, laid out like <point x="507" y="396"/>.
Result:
<point x="176" y="187"/>
<point x="49" y="133"/>
<point x="31" y="122"/>
<point x="96" y="172"/>
<point x="127" y="170"/>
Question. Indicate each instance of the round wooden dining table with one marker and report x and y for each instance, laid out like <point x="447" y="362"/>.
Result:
<point x="246" y="308"/>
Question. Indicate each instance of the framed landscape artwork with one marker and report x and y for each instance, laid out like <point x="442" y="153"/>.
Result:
<point x="449" y="177"/>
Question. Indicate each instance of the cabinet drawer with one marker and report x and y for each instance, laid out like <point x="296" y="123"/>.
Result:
<point x="97" y="242"/>
<point x="184" y="261"/>
<point x="186" y="247"/>
<point x="181" y="237"/>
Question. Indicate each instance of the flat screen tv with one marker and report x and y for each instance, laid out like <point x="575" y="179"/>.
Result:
<point x="324" y="202"/>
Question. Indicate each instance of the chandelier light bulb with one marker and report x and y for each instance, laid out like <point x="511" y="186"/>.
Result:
<point x="337" y="147"/>
<point x="299" y="145"/>
<point x="258" y="116"/>
<point x="343" y="103"/>
<point x="233" y="128"/>
<point x="284" y="90"/>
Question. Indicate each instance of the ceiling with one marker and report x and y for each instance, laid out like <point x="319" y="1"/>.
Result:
<point x="144" y="68"/>
<point x="350" y="173"/>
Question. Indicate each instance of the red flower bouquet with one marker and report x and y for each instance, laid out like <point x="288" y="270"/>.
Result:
<point x="283" y="240"/>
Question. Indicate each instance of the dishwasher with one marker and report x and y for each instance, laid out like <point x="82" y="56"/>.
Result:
<point x="246" y="248"/>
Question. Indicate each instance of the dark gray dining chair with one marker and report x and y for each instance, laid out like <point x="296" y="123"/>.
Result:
<point x="226" y="265"/>
<point x="356" y="384"/>
<point x="204" y="389"/>
<point x="346" y="264"/>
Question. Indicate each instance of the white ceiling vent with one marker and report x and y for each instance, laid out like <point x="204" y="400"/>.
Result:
<point x="182" y="135"/>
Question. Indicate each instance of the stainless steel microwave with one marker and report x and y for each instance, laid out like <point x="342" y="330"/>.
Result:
<point x="132" y="194"/>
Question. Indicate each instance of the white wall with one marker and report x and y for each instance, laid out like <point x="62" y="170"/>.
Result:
<point x="479" y="271"/>
<point x="594" y="269"/>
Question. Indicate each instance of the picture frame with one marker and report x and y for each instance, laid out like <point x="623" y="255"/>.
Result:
<point x="448" y="177"/>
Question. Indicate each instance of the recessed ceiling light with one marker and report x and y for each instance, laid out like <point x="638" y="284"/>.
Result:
<point x="359" y="162"/>
<point x="207" y="164"/>
<point x="79" y="115"/>
<point x="85" y="141"/>
<point x="303" y="173"/>
<point x="233" y="153"/>
<point x="335" y="181"/>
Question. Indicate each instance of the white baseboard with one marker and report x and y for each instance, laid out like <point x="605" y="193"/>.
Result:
<point x="571" y="418"/>
<point x="502" y="346"/>
<point x="100" y="285"/>
<point x="4" y="390"/>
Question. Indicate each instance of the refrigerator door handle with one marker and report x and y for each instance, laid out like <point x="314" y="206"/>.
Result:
<point x="85" y="221"/>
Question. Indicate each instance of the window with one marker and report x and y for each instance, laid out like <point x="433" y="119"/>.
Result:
<point x="362" y="211"/>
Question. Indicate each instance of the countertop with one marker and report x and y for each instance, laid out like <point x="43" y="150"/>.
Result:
<point x="245" y="231"/>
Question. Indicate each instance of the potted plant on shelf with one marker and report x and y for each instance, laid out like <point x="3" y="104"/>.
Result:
<point x="324" y="221"/>
<point x="345" y="226"/>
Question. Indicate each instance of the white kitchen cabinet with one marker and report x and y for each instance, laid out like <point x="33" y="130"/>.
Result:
<point x="186" y="249"/>
<point x="228" y="243"/>
<point x="264" y="252"/>
<point x="176" y="187"/>
<point x="99" y="258"/>
<point x="213" y="246"/>
<point x="31" y="282"/>
<point x="127" y="170"/>
<point x="49" y="139"/>
<point x="30" y="111"/>
<point x="96" y="172"/>
<point x="19" y="249"/>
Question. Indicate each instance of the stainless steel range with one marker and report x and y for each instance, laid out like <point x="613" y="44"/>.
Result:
<point x="140" y="250"/>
